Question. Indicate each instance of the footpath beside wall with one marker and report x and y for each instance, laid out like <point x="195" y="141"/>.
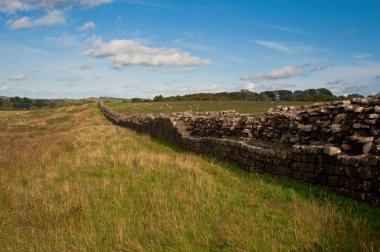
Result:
<point x="326" y="151"/>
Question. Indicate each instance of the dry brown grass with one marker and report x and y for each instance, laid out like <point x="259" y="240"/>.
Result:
<point x="70" y="180"/>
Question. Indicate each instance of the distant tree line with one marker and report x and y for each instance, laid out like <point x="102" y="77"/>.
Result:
<point x="27" y="103"/>
<point x="320" y="94"/>
<point x="18" y="103"/>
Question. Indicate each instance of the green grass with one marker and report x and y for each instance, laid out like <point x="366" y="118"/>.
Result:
<point x="245" y="107"/>
<point x="72" y="181"/>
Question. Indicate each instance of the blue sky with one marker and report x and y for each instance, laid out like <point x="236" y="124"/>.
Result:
<point x="141" y="48"/>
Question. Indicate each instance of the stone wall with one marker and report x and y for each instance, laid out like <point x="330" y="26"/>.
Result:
<point x="319" y="144"/>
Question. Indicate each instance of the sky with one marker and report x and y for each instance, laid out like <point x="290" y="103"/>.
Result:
<point x="141" y="48"/>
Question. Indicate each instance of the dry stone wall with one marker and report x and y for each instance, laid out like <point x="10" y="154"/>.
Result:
<point x="331" y="144"/>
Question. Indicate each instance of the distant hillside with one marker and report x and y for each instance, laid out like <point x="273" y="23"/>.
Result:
<point x="18" y="103"/>
<point x="320" y="94"/>
<point x="113" y="99"/>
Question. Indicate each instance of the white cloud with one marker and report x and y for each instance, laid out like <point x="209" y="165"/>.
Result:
<point x="10" y="6"/>
<point x="87" y="26"/>
<point x="363" y="55"/>
<point x="130" y="52"/>
<point x="282" y="73"/>
<point x="23" y="22"/>
<point x="18" y="77"/>
<point x="3" y="88"/>
<point x="52" y="18"/>
<point x="93" y="2"/>
<point x="251" y="86"/>
<point x="288" y="47"/>
<point x="273" y="45"/>
<point x="177" y="70"/>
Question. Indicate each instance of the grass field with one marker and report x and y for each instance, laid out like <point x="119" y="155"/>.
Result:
<point x="72" y="181"/>
<point x="245" y="107"/>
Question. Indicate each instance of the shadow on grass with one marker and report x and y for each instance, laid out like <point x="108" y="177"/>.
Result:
<point x="306" y="191"/>
<point x="322" y="194"/>
<point x="168" y="145"/>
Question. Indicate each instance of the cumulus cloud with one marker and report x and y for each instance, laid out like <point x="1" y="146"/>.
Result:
<point x="10" y="6"/>
<point x="18" y="77"/>
<point x="87" y="26"/>
<point x="251" y="86"/>
<point x="281" y="73"/>
<point x="125" y="52"/>
<point x="285" y="72"/>
<point x="273" y="45"/>
<point x="3" y="88"/>
<point x="52" y="18"/>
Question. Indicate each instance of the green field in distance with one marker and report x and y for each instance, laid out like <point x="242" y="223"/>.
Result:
<point x="244" y="107"/>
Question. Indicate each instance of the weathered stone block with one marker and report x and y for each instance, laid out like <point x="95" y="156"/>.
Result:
<point x="336" y="128"/>
<point x="367" y="147"/>
<point x="364" y="139"/>
<point x="305" y="127"/>
<point x="360" y="126"/>
<point x="346" y="147"/>
<point x="373" y="116"/>
<point x="332" y="151"/>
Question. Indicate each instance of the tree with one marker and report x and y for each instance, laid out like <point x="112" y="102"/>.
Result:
<point x="26" y="100"/>
<point x="350" y="96"/>
<point x="137" y="100"/>
<point x="271" y="95"/>
<point x="263" y="97"/>
<point x="158" y="98"/>
<point x="15" y="99"/>
<point x="40" y="103"/>
<point x="285" y="95"/>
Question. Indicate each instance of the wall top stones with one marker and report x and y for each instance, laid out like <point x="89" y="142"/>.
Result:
<point x="343" y="127"/>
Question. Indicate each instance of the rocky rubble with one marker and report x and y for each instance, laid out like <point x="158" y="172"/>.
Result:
<point x="351" y="126"/>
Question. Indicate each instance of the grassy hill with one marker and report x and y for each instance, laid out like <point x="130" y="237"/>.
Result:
<point x="71" y="180"/>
